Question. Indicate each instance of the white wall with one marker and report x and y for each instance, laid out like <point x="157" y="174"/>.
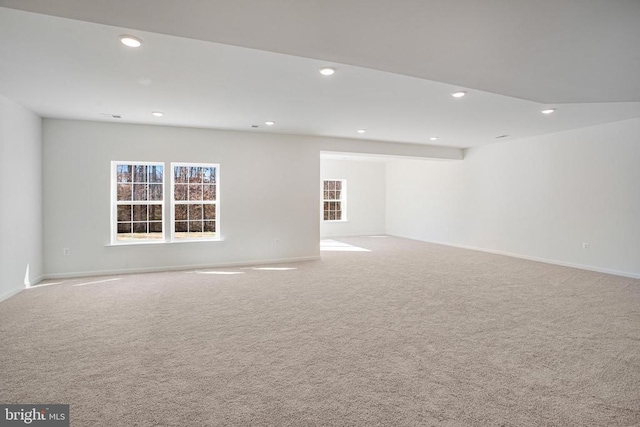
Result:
<point x="21" y="195"/>
<point x="538" y="197"/>
<point x="366" y="194"/>
<point x="268" y="191"/>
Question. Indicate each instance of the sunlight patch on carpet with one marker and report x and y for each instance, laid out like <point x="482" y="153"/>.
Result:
<point x="42" y="285"/>
<point x="97" y="281"/>
<point x="329" y="245"/>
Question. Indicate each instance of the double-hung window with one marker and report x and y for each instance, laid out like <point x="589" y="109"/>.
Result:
<point x="138" y="208"/>
<point x="138" y="202"/>
<point x="194" y="204"/>
<point x="334" y="199"/>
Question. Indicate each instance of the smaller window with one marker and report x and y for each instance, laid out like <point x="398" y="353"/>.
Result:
<point x="334" y="200"/>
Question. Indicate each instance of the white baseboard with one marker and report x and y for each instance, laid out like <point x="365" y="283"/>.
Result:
<point x="530" y="258"/>
<point x="176" y="268"/>
<point x="9" y="294"/>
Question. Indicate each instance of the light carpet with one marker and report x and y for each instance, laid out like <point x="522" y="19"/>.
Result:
<point x="407" y="334"/>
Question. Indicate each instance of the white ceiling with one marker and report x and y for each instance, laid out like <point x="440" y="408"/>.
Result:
<point x="76" y="69"/>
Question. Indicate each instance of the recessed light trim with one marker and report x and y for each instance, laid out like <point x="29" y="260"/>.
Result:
<point x="270" y="123"/>
<point x="131" y="41"/>
<point x="361" y="130"/>
<point x="434" y="138"/>
<point x="157" y="113"/>
<point x="548" y="110"/>
<point x="459" y="94"/>
<point x="327" y="71"/>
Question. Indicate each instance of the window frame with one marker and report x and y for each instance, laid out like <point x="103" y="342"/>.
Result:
<point x="342" y="200"/>
<point x="215" y="202"/>
<point x="115" y="202"/>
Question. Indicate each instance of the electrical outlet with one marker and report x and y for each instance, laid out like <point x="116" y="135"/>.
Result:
<point x="66" y="251"/>
<point x="585" y="245"/>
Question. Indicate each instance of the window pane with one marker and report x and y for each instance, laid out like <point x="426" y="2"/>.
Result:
<point x="124" y="227"/>
<point x="195" y="226"/>
<point x="209" y="211"/>
<point x="139" y="173"/>
<point x="124" y="212"/>
<point x="155" y="212"/>
<point x="209" y="175"/>
<point x="338" y="185"/>
<point x="210" y="226"/>
<point x="195" y="174"/>
<point x="332" y="215"/>
<point x="326" y="215"/>
<point x="140" y="227"/>
<point x="326" y="185"/>
<point x="326" y="206"/>
<point x="155" y="173"/>
<point x="181" y="174"/>
<point x="139" y="212"/>
<point x="181" y="213"/>
<point x="181" y="227"/>
<point x="195" y="212"/>
<point x="209" y="192"/>
<point x="338" y="215"/>
<point x="180" y="192"/>
<point x="332" y="185"/>
<point x="195" y="192"/>
<point x="338" y="195"/>
<point x="155" y="191"/>
<point x="124" y="192"/>
<point x="155" y="227"/>
<point x="140" y="192"/>
<point x="124" y="173"/>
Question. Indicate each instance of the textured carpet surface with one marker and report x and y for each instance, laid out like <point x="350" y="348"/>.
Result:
<point x="408" y="334"/>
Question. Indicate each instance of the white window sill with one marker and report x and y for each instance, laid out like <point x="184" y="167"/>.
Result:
<point x="163" y="242"/>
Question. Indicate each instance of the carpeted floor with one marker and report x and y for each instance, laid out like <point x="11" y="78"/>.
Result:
<point x="408" y="334"/>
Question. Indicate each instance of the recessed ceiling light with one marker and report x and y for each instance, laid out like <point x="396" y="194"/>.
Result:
<point x="459" y="94"/>
<point x="157" y="113"/>
<point x="548" y="110"/>
<point x="327" y="71"/>
<point x="434" y="138"/>
<point x="362" y="130"/>
<point x="254" y="126"/>
<point x="131" y="41"/>
<point x="269" y="123"/>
